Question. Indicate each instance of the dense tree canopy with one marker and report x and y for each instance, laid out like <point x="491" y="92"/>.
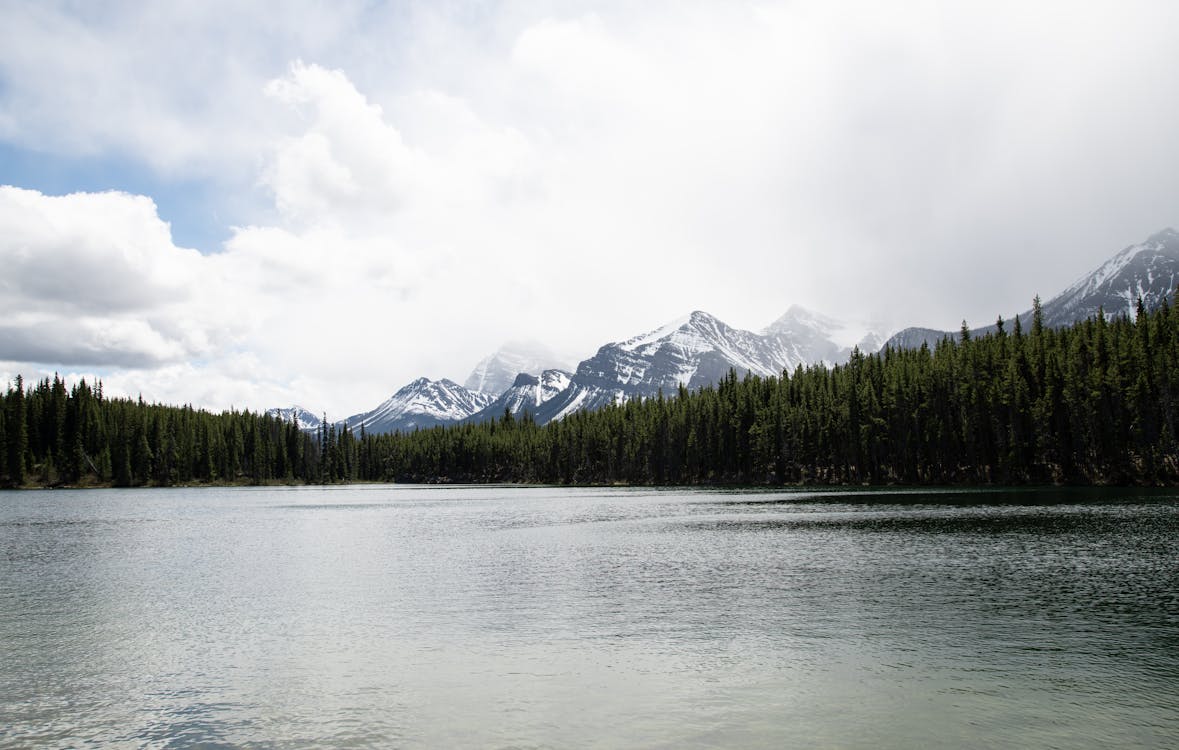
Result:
<point x="1094" y="403"/>
<point x="51" y="436"/>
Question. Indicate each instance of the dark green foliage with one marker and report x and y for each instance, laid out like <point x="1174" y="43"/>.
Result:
<point x="50" y="436"/>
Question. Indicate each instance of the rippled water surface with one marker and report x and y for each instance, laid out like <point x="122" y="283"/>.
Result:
<point x="508" y="617"/>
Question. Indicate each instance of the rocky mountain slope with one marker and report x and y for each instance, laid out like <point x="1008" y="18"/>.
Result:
<point x="421" y="404"/>
<point x="527" y="394"/>
<point x="1148" y="270"/>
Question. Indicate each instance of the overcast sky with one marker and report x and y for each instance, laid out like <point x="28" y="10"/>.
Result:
<point x="221" y="203"/>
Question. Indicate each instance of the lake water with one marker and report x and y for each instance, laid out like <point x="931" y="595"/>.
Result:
<point x="380" y="616"/>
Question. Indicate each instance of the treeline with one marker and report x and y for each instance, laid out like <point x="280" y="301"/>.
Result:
<point x="1094" y="403"/>
<point x="52" y="436"/>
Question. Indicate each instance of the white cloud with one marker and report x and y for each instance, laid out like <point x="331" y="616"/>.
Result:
<point x="95" y="279"/>
<point x="568" y="173"/>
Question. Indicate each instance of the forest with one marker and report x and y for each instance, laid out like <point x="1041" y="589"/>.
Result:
<point x="1094" y="403"/>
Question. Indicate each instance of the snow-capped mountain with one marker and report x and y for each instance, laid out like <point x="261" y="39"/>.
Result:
<point x="497" y="372"/>
<point x="693" y="351"/>
<point x="421" y="404"/>
<point x="1149" y="270"/>
<point x="304" y="418"/>
<point x="808" y="337"/>
<point x="527" y="394"/>
<point x="699" y="350"/>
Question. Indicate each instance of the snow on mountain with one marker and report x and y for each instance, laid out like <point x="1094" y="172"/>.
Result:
<point x="527" y="394"/>
<point x="304" y="418"/>
<point x="808" y="337"/>
<point x="692" y="351"/>
<point x="579" y="397"/>
<point x="698" y="350"/>
<point x="1149" y="270"/>
<point x="497" y="372"/>
<point x="421" y="404"/>
<point x="870" y="342"/>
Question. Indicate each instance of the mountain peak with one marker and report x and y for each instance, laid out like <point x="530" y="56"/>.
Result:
<point x="495" y="373"/>
<point x="659" y="333"/>
<point x="1148" y="271"/>
<point x="304" y="418"/>
<point x="422" y="403"/>
<point x="1164" y="236"/>
<point x="525" y="379"/>
<point x="528" y="394"/>
<point x="797" y="316"/>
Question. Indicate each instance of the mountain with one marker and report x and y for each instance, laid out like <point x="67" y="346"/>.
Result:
<point x="304" y="418"/>
<point x="700" y="349"/>
<point x="497" y="372"/>
<point x="809" y="337"/>
<point x="421" y="404"/>
<point x="913" y="338"/>
<point x="694" y="351"/>
<point x="1149" y="270"/>
<point x="527" y="394"/>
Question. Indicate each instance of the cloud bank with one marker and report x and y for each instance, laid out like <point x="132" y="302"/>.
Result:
<point x="426" y="183"/>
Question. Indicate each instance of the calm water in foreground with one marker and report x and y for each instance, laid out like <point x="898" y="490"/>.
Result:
<point x="508" y="617"/>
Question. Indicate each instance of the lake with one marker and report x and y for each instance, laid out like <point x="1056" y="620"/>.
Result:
<point x="390" y="616"/>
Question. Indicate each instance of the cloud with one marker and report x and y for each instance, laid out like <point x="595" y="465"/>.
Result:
<point x="440" y="179"/>
<point x="174" y="86"/>
<point x="95" y="279"/>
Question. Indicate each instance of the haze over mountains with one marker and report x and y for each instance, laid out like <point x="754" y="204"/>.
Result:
<point x="497" y="372"/>
<point x="699" y="349"/>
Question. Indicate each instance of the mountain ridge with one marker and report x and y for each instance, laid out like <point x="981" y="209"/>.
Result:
<point x="421" y="404"/>
<point x="699" y="349"/>
<point x="1148" y="269"/>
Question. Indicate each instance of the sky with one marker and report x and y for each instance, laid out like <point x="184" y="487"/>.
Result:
<point x="245" y="204"/>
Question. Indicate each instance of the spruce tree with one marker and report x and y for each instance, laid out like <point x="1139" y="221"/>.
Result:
<point x="18" y="432"/>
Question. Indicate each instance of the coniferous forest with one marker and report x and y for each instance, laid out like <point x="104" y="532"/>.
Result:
<point x="1092" y="404"/>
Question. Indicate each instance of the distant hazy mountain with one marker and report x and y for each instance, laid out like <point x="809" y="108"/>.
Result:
<point x="421" y="404"/>
<point x="1149" y="270"/>
<point x="497" y="372"/>
<point x="303" y="417"/>
<point x="913" y="338"/>
<point x="526" y="394"/>
<point x="807" y="337"/>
